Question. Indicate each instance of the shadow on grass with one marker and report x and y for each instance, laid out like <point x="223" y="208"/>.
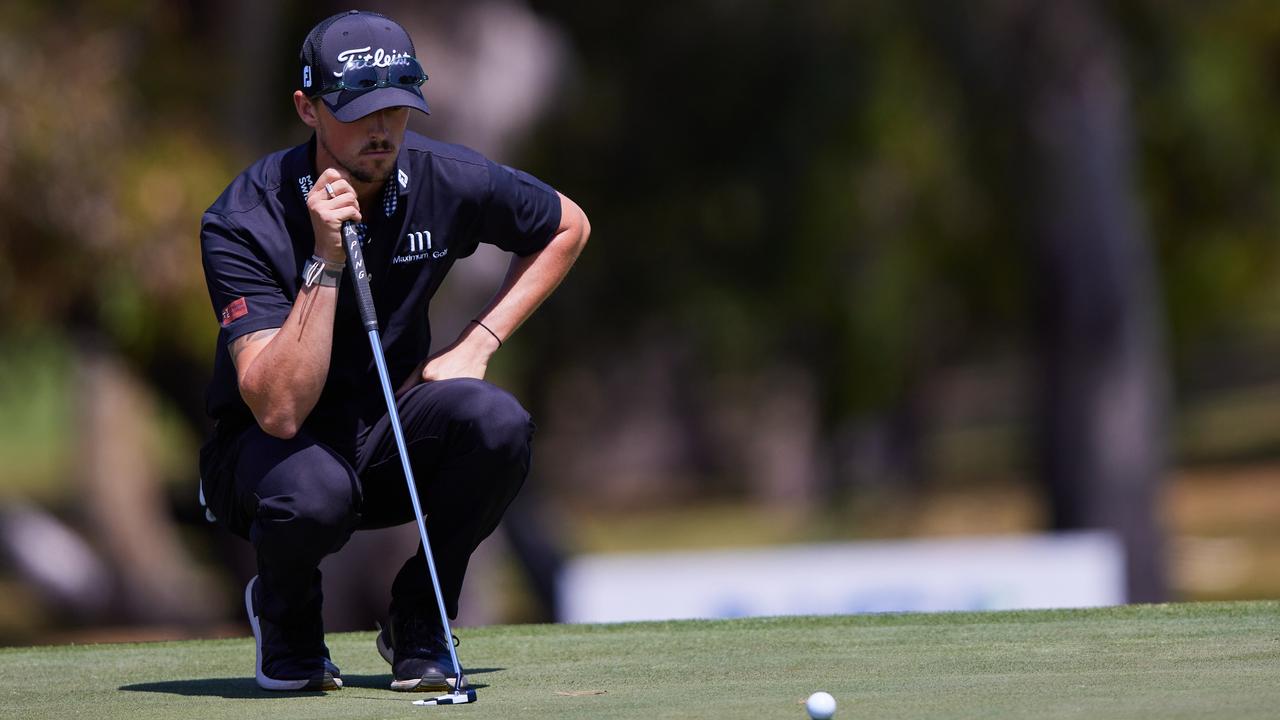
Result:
<point x="247" y="687"/>
<point x="236" y="687"/>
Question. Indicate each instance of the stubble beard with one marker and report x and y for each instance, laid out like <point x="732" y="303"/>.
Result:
<point x="358" y="174"/>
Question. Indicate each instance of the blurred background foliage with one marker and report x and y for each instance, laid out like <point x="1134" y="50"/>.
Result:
<point x="809" y="283"/>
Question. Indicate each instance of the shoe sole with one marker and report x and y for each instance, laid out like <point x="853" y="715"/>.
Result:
<point x="426" y="684"/>
<point x="327" y="682"/>
<point x="422" y="685"/>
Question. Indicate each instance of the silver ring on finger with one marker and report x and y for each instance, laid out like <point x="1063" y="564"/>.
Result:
<point x="328" y="187"/>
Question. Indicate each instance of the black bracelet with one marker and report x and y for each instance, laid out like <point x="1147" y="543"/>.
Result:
<point x="486" y="327"/>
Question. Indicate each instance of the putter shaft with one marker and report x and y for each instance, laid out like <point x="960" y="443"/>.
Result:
<point x="394" y="416"/>
<point x="369" y="317"/>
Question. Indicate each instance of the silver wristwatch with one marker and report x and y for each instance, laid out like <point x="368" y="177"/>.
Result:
<point x="318" y="271"/>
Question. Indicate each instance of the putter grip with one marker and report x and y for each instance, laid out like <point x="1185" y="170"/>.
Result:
<point x="359" y="275"/>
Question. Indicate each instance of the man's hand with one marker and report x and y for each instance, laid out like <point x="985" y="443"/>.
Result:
<point x="467" y="357"/>
<point x="328" y="214"/>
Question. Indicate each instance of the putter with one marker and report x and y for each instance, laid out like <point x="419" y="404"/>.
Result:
<point x="364" y="300"/>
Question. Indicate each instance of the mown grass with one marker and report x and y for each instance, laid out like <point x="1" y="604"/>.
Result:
<point x="1165" y="661"/>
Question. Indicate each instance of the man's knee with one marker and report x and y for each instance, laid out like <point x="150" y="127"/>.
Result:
<point x="493" y="416"/>
<point x="326" y="501"/>
<point x="308" y="499"/>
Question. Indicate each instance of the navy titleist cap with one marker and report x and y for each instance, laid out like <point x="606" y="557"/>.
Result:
<point x="360" y="62"/>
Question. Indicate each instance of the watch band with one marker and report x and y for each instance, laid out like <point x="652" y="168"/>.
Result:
<point x="318" y="271"/>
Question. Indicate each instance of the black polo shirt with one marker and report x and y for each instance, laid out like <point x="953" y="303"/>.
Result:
<point x="440" y="203"/>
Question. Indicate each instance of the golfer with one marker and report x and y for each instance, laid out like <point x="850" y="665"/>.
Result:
<point x="303" y="454"/>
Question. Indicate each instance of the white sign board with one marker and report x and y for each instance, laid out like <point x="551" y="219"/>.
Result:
<point x="1001" y="573"/>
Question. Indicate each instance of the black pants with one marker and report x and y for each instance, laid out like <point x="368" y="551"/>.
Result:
<point x="468" y="444"/>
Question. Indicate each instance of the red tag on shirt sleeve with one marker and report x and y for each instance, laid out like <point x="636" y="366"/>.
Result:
<point x="234" y="310"/>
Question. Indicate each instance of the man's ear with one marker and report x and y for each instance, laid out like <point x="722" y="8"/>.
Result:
<point x="306" y="109"/>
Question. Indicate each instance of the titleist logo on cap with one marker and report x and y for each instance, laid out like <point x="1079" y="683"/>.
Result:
<point x="353" y="59"/>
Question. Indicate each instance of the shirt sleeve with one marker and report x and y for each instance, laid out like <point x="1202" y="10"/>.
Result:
<point x="243" y="288"/>
<point x="522" y="213"/>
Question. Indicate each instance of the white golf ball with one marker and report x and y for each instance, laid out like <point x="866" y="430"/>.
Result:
<point x="820" y="705"/>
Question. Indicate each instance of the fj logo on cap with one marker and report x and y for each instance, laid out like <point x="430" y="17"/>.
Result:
<point x="306" y="76"/>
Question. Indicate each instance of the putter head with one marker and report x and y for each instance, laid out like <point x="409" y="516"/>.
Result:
<point x="453" y="698"/>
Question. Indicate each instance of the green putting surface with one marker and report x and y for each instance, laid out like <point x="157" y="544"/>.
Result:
<point x="1166" y="661"/>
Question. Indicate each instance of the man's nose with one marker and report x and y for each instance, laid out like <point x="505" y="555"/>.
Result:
<point x="378" y="122"/>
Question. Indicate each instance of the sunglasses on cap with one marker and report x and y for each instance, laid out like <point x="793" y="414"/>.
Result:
<point x="406" y="73"/>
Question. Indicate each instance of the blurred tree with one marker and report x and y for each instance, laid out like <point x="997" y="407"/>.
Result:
<point x="1101" y="331"/>
<point x="1050" y="75"/>
<point x="107" y="169"/>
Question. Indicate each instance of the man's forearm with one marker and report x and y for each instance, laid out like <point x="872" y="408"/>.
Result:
<point x="530" y="280"/>
<point x="282" y="378"/>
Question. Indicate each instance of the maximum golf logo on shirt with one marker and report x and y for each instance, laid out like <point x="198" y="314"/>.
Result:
<point x="417" y="247"/>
